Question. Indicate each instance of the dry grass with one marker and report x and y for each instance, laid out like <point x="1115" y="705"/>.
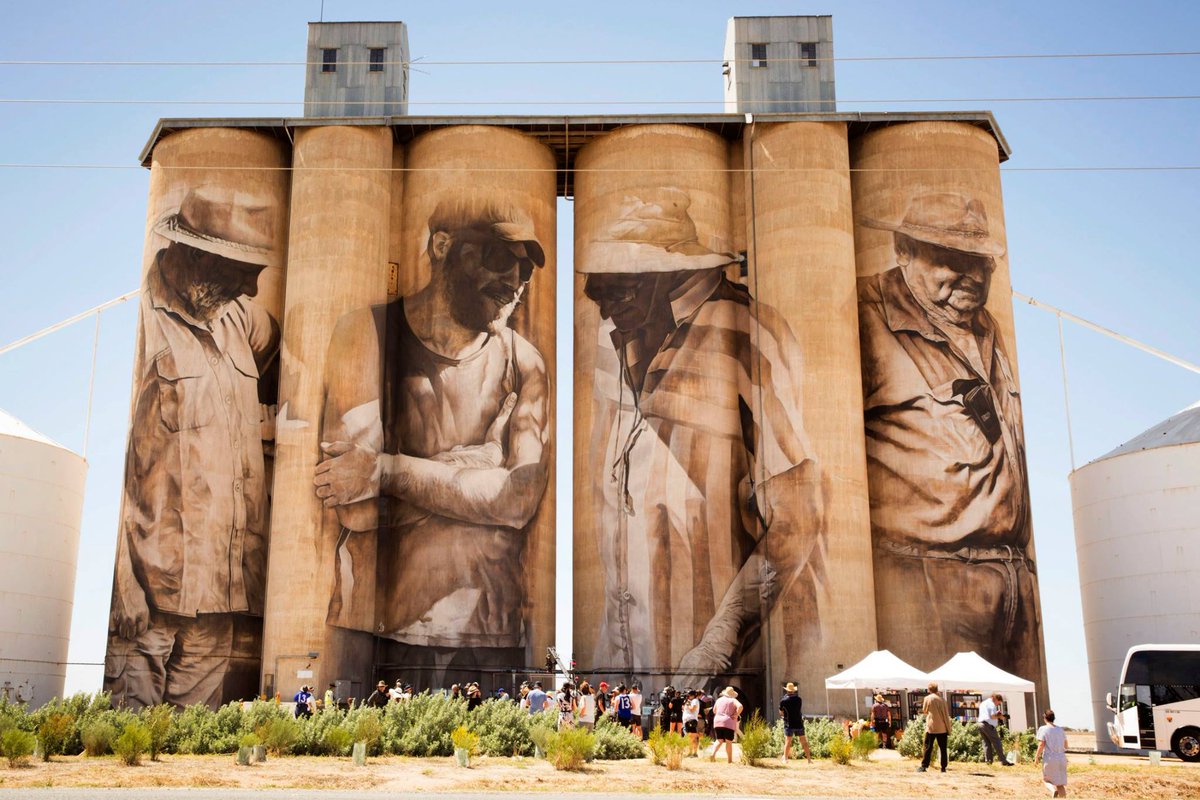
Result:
<point x="1112" y="778"/>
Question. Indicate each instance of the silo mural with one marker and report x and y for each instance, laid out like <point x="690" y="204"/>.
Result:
<point x="954" y="558"/>
<point x="185" y="625"/>
<point x="695" y="447"/>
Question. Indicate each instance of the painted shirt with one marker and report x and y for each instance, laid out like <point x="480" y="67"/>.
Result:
<point x="194" y="518"/>
<point x="684" y="465"/>
<point x="935" y="474"/>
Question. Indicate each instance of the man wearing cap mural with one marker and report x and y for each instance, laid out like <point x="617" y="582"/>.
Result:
<point x="436" y="405"/>
<point x="191" y="549"/>
<point x="704" y="453"/>
<point x="954" y="568"/>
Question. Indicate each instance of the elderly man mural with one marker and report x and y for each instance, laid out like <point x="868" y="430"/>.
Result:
<point x="435" y="404"/>
<point x="191" y="551"/>
<point x="708" y="504"/>
<point x="954" y="568"/>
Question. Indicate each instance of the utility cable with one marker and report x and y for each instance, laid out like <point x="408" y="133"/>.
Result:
<point x="640" y="170"/>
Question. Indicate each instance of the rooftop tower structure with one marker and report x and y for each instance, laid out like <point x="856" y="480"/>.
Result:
<point x="356" y="69"/>
<point x="779" y="64"/>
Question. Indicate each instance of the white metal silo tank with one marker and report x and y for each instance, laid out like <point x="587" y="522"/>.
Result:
<point x="1137" y="535"/>
<point x="41" y="503"/>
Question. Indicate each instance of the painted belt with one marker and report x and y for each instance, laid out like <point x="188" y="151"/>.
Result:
<point x="1005" y="554"/>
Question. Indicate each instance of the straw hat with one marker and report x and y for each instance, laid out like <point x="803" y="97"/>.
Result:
<point x="790" y="687"/>
<point x="729" y="691"/>
<point x="236" y="225"/>
<point x="945" y="219"/>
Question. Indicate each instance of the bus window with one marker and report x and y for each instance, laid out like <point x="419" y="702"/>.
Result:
<point x="1128" y="697"/>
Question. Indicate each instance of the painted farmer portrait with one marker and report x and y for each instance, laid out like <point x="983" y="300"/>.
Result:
<point x="708" y="499"/>
<point x="954" y="568"/>
<point x="192" y="550"/>
<point x="436" y="450"/>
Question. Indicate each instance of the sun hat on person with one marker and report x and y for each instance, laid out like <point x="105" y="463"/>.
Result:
<point x="651" y="235"/>
<point x="729" y="691"/>
<point x="239" y="226"/>
<point x="945" y="219"/>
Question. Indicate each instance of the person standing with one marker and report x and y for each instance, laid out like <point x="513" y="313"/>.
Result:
<point x="691" y="721"/>
<point x="602" y="699"/>
<point x="587" y="706"/>
<point x="192" y="546"/>
<point x="937" y="727"/>
<point x="331" y="696"/>
<point x="537" y="698"/>
<point x="881" y="720"/>
<point x="565" y="700"/>
<point x="726" y="714"/>
<point x="1052" y="752"/>
<point x="624" y="707"/>
<point x="635" y="700"/>
<point x="989" y="717"/>
<point x="791" y="709"/>
<point x="304" y="702"/>
<point x="380" y="697"/>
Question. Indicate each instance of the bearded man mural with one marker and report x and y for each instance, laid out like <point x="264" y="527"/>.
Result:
<point x="191" y="550"/>
<point x="954" y="566"/>
<point x="436" y="443"/>
<point x="708" y="499"/>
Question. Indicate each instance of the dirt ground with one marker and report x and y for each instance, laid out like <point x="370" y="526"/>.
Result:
<point x="887" y="774"/>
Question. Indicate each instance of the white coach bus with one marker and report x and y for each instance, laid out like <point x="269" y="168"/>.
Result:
<point x="1157" y="706"/>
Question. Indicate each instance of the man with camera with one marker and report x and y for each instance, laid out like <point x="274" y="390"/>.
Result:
<point x="954" y="567"/>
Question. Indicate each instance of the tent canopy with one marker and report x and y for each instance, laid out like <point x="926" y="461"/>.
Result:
<point x="879" y="670"/>
<point x="972" y="671"/>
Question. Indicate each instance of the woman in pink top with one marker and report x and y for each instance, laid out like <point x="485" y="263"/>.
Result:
<point x="726" y="712"/>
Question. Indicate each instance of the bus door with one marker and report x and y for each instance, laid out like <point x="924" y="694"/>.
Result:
<point x="1127" y="717"/>
<point x="1145" y="718"/>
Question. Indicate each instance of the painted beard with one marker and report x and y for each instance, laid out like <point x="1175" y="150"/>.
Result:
<point x="208" y="299"/>
<point x="481" y="308"/>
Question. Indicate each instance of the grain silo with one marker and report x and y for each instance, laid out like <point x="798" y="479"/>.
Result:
<point x="1137" y="535"/>
<point x="41" y="502"/>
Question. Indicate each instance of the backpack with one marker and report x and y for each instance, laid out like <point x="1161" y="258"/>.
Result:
<point x="624" y="706"/>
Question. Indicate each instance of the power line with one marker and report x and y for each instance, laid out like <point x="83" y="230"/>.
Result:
<point x="574" y="170"/>
<point x="602" y="61"/>
<point x="492" y="102"/>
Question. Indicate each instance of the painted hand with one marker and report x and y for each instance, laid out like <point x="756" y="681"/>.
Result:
<point x="701" y="663"/>
<point x="130" y="614"/>
<point x="349" y="473"/>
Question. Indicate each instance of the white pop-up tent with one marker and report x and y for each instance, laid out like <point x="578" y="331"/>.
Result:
<point x="879" y="670"/>
<point x="973" y="672"/>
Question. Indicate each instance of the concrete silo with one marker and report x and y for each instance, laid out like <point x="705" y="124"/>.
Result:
<point x="1137" y="535"/>
<point x="41" y="501"/>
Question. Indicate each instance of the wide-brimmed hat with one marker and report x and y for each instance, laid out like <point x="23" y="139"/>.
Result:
<point x="485" y="215"/>
<point x="729" y="691"/>
<point x="945" y="219"/>
<point x="239" y="226"/>
<point x="878" y="698"/>
<point x="789" y="687"/>
<point x="651" y="235"/>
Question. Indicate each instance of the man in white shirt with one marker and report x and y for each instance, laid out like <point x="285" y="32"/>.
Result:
<point x="989" y="719"/>
<point x="635" y="701"/>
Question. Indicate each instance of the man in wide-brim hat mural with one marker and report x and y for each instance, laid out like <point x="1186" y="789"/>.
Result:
<point x="191" y="550"/>
<point x="700" y="436"/>
<point x="954" y="567"/>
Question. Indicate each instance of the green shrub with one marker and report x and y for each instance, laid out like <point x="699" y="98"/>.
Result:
<point x="98" y="737"/>
<point x="53" y="732"/>
<point x="656" y="747"/>
<point x="570" y="748"/>
<point x="1024" y="743"/>
<point x="133" y="743"/>
<point x="83" y="709"/>
<point x="503" y="728"/>
<point x="249" y="740"/>
<point x="17" y="745"/>
<point x="615" y="743"/>
<point x="821" y="733"/>
<point x="912" y="743"/>
<point x="259" y="714"/>
<point x="422" y="725"/>
<point x="313" y="732"/>
<point x="368" y="729"/>
<point x="965" y="742"/>
<point x="865" y="743"/>
<point x="336" y="741"/>
<point x="840" y="749"/>
<point x="159" y="721"/>
<point x="541" y="736"/>
<point x="756" y="740"/>
<point x="200" y="730"/>
<point x="279" y="735"/>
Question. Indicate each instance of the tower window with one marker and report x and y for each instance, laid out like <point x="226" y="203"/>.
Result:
<point x="376" y="59"/>
<point x="329" y="59"/>
<point x="808" y="54"/>
<point x="758" y="55"/>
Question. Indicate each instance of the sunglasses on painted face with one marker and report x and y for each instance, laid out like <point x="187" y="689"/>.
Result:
<point x="501" y="257"/>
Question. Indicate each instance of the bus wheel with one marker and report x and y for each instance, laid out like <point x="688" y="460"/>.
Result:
<point x="1186" y="744"/>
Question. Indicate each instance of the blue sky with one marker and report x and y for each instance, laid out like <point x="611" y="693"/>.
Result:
<point x="1115" y="247"/>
